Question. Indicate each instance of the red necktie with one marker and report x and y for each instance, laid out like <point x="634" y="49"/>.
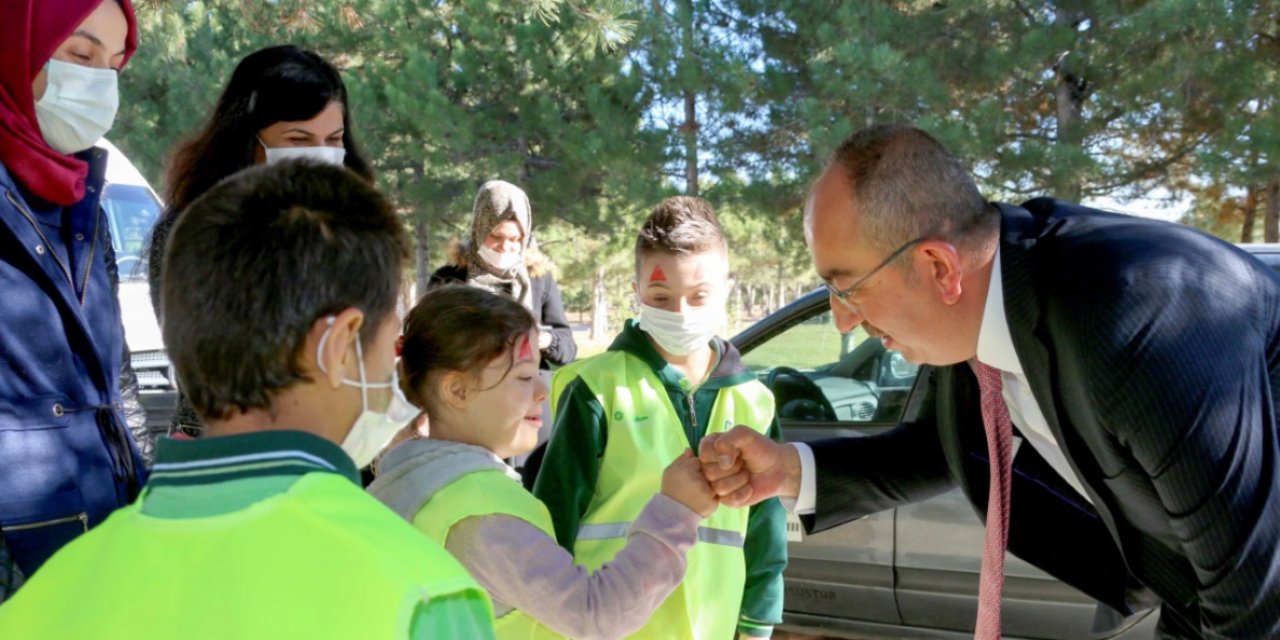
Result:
<point x="995" y="415"/>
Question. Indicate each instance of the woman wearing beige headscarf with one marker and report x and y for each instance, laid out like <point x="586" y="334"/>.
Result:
<point x="501" y="256"/>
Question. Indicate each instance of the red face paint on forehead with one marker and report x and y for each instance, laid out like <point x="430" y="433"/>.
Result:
<point x="526" y="350"/>
<point x="657" y="275"/>
<point x="697" y="272"/>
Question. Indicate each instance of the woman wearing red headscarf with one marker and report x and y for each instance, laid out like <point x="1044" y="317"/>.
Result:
<point x="66" y="457"/>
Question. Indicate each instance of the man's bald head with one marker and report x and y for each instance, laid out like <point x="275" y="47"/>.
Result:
<point x="905" y="185"/>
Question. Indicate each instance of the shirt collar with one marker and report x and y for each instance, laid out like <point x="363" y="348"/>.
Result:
<point x="995" y="343"/>
<point x="262" y="453"/>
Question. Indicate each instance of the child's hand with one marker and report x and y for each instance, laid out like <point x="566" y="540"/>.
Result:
<point x="683" y="482"/>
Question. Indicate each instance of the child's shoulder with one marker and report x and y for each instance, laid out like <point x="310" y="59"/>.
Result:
<point x="598" y="362"/>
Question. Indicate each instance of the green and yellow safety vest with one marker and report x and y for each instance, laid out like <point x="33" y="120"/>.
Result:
<point x="320" y="560"/>
<point x="482" y="493"/>
<point x="643" y="437"/>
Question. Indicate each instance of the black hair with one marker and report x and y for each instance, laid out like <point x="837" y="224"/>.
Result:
<point x="254" y="262"/>
<point x="277" y="84"/>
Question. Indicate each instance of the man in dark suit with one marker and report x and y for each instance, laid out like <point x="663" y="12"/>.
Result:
<point x="1105" y="389"/>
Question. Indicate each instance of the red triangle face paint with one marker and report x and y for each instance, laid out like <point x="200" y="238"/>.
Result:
<point x="526" y="350"/>
<point x="657" y="275"/>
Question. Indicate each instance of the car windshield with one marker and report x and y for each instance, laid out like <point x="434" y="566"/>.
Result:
<point x="131" y="211"/>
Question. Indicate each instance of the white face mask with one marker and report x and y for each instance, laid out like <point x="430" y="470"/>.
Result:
<point x="681" y="333"/>
<point x="78" y="106"/>
<point x="328" y="155"/>
<point x="504" y="261"/>
<point x="372" y="429"/>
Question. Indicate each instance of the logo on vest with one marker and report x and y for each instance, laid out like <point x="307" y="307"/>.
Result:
<point x="619" y="416"/>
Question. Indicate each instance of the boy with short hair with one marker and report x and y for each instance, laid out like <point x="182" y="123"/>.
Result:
<point x="624" y="415"/>
<point x="278" y="298"/>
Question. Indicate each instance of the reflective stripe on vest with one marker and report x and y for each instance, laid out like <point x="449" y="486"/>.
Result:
<point x="485" y="493"/>
<point x="644" y="435"/>
<point x="321" y="560"/>
<point x="619" y="530"/>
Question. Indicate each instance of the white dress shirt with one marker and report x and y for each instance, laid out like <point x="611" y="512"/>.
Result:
<point x="995" y="349"/>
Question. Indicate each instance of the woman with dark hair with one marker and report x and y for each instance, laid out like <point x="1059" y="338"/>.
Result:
<point x="67" y="459"/>
<point x="281" y="102"/>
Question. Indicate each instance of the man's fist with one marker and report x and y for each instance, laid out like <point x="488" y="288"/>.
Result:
<point x="745" y="467"/>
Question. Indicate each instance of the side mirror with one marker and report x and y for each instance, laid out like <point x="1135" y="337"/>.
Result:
<point x="900" y="367"/>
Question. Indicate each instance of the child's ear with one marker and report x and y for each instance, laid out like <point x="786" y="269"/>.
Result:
<point x="328" y="345"/>
<point x="453" y="389"/>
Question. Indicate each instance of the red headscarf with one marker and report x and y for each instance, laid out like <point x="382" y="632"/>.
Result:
<point x="31" y="30"/>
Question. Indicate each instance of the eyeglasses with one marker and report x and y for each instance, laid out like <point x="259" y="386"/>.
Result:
<point x="843" y="295"/>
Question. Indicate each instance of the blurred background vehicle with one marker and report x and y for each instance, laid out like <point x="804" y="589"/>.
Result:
<point x="132" y="208"/>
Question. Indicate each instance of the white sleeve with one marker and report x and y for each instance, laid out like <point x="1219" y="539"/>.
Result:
<point x="805" y="503"/>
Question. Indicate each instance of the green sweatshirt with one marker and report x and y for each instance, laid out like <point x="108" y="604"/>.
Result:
<point x="567" y="479"/>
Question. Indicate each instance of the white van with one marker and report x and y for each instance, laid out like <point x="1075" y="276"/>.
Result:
<point x="132" y="208"/>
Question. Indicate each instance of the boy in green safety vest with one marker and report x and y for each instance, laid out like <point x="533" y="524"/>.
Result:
<point x="470" y="359"/>
<point x="278" y="299"/>
<point x="665" y="382"/>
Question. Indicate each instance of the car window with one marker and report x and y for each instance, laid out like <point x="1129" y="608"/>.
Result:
<point x="819" y="375"/>
<point x="131" y="211"/>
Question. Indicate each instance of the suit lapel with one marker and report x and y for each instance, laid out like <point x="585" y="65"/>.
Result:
<point x="1020" y="231"/>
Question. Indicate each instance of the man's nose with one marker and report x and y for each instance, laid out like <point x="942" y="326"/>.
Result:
<point x="846" y="317"/>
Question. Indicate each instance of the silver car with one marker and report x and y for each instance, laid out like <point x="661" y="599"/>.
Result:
<point x="910" y="572"/>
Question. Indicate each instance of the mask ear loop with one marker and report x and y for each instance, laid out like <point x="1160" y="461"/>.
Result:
<point x="364" y="383"/>
<point x="323" y="337"/>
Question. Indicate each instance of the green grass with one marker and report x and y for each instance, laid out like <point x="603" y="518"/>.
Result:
<point x="804" y="346"/>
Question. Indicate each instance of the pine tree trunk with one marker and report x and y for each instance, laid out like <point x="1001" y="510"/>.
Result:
<point x="1250" y="211"/>
<point x="599" y="306"/>
<point x="1071" y="90"/>
<point x="1071" y="93"/>
<point x="688" y="78"/>
<point x="1271" y="224"/>
<point x="421" y="257"/>
<point x="782" y="288"/>
<point x="421" y="242"/>
<point x="736" y="305"/>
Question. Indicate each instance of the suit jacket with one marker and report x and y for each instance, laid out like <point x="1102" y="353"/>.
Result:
<point x="1153" y="351"/>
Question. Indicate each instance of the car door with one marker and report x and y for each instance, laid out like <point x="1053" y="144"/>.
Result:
<point x="829" y="385"/>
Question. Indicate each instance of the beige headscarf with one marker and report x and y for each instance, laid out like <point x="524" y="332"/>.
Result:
<point x="496" y="202"/>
